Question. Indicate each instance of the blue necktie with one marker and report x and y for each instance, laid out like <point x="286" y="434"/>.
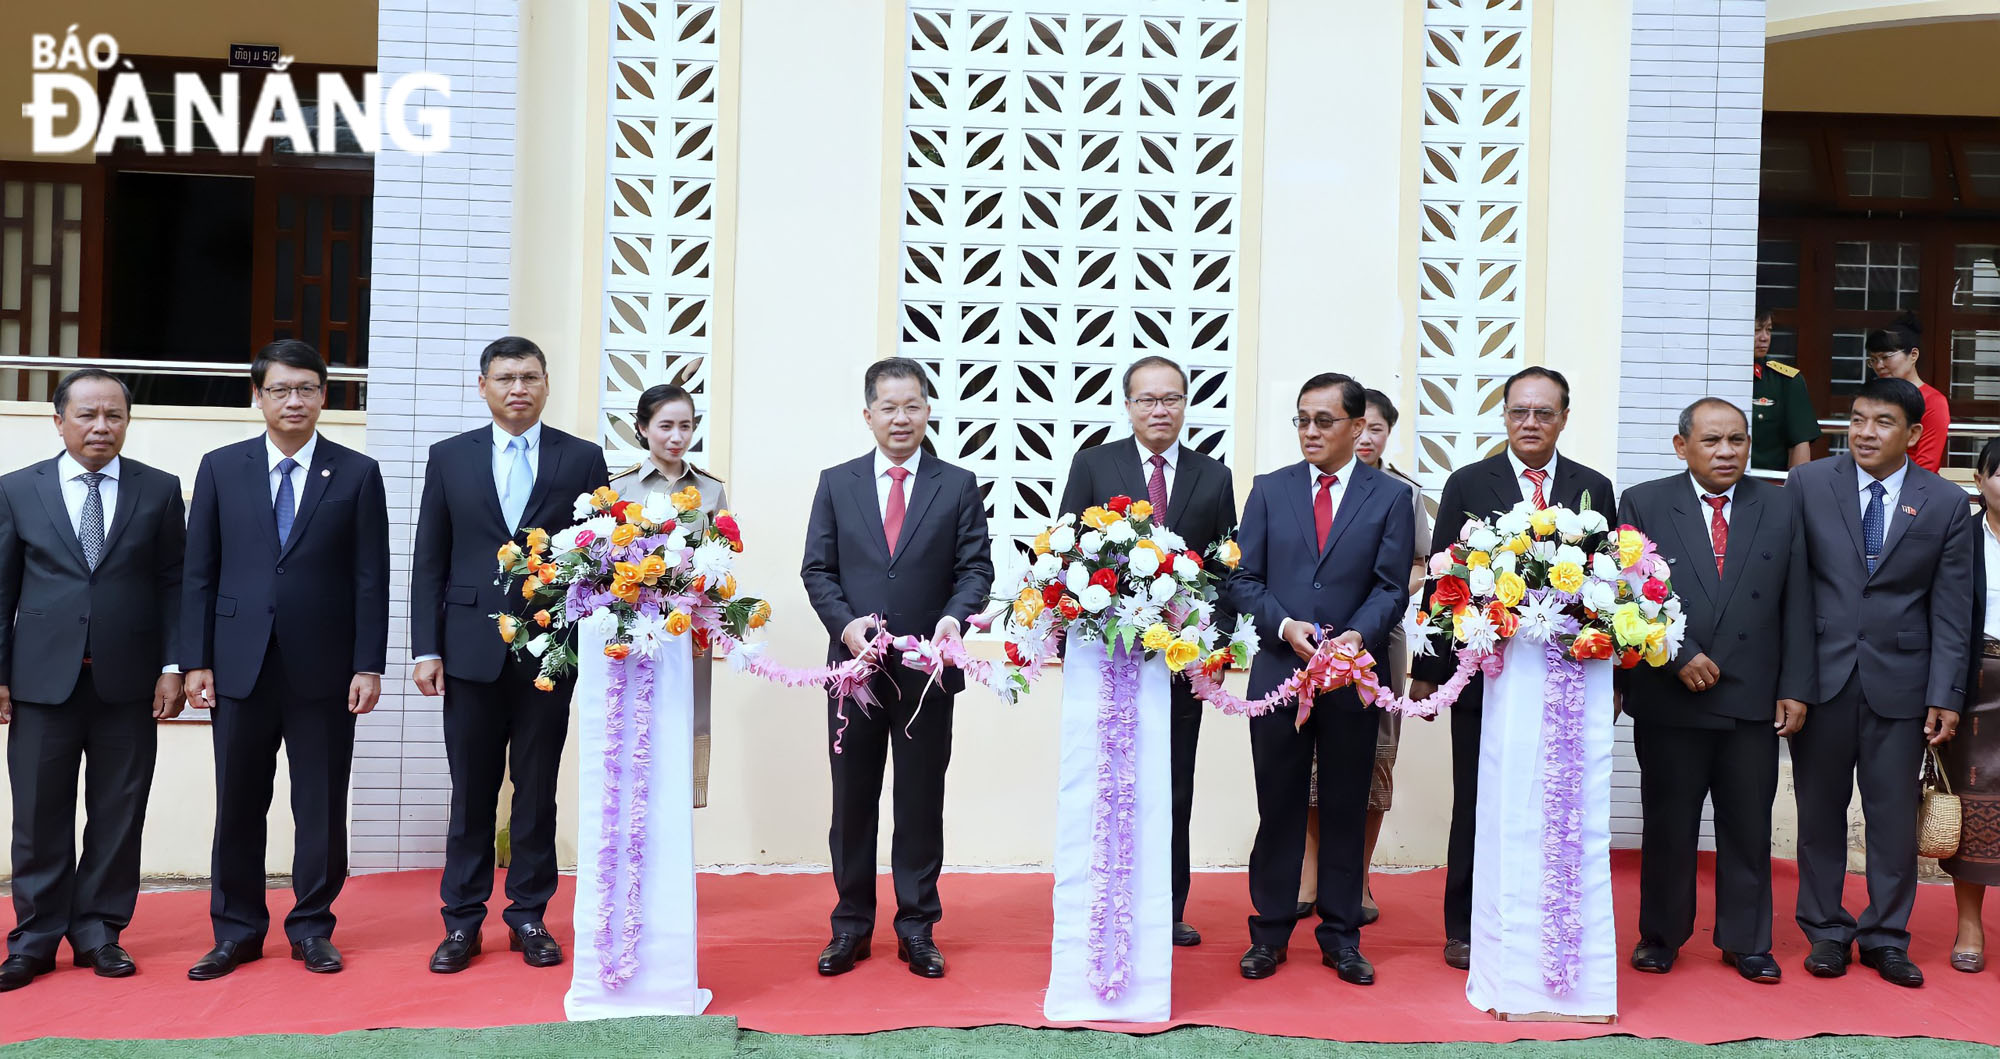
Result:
<point x="1871" y="525"/>
<point x="520" y="482"/>
<point x="287" y="506"/>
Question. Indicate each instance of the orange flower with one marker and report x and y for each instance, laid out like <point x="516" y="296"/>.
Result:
<point x="1097" y="517"/>
<point x="625" y="571"/>
<point x="542" y="618"/>
<point x="687" y="499"/>
<point x="624" y="535"/>
<point x="700" y="585"/>
<point x="678" y="622"/>
<point x="547" y="572"/>
<point x="625" y="590"/>
<point x="538" y="541"/>
<point x="759" y="614"/>
<point x="728" y="589"/>
<point x="1229" y="553"/>
<point x="509" y="627"/>
<point x="510" y="553"/>
<point x="544" y="684"/>
<point x="652" y="568"/>
<point x="603" y="498"/>
<point x="528" y="587"/>
<point x="617" y="651"/>
<point x="1141" y="509"/>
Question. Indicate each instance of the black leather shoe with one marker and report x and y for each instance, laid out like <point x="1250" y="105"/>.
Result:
<point x="109" y="960"/>
<point x="1894" y="965"/>
<point x="17" y="971"/>
<point x="1458" y="954"/>
<point x="1261" y="961"/>
<point x="1756" y="967"/>
<point x="1185" y="936"/>
<point x="1354" y="968"/>
<point x="224" y="958"/>
<point x="538" y="947"/>
<point x="842" y="953"/>
<point x="922" y="954"/>
<point x="1653" y="957"/>
<point x="1828" y="959"/>
<point x="455" y="952"/>
<point x="318" y="954"/>
<point x="1304" y="909"/>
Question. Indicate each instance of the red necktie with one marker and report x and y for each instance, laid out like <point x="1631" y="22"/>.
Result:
<point x="1156" y="489"/>
<point x="1538" y="477"/>
<point x="1323" y="508"/>
<point x="1718" y="529"/>
<point x="892" y="519"/>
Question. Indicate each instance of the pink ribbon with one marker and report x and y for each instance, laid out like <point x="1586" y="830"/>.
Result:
<point x="1469" y="665"/>
<point x="1333" y="665"/>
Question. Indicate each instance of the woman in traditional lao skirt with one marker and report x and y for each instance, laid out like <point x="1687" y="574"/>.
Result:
<point x="665" y="423"/>
<point x="1972" y="758"/>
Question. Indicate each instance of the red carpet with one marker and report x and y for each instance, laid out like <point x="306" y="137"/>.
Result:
<point x="761" y="933"/>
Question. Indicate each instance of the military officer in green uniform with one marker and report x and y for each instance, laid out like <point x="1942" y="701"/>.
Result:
<point x="1782" y="425"/>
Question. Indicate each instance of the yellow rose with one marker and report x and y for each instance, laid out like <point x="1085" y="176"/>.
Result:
<point x="528" y="587"/>
<point x="728" y="589"/>
<point x="603" y="497"/>
<point x="538" y="540"/>
<point x="510" y="553"/>
<point x="1028" y="606"/>
<point x="652" y="568"/>
<point x="1157" y="637"/>
<point x="1519" y="545"/>
<point x="544" y="684"/>
<point x="678" y="622"/>
<point x="1629" y="625"/>
<point x="1230" y="554"/>
<point x="509" y="626"/>
<point x="687" y="499"/>
<point x="1566" y="577"/>
<point x="1180" y="653"/>
<point x="1096" y="517"/>
<point x="1509" y="588"/>
<point x="1631" y="545"/>
<point x="1141" y="509"/>
<point x="624" y="535"/>
<point x="1543" y="522"/>
<point x="759" y="614"/>
<point x="1478" y="559"/>
<point x="1656" y="645"/>
<point x="1042" y="541"/>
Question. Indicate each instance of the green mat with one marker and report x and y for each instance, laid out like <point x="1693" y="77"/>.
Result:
<point x="713" y="1037"/>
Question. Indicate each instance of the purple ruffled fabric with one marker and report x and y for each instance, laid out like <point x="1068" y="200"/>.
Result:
<point x="621" y="856"/>
<point x="1562" y="820"/>
<point x="607" y="849"/>
<point x="1116" y="813"/>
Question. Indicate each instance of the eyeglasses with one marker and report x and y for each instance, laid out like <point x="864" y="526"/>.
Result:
<point x="508" y="382"/>
<point x="1878" y="358"/>
<point x="1171" y="402"/>
<point x="1322" y="422"/>
<point x="1544" y="416"/>
<point x="308" y="390"/>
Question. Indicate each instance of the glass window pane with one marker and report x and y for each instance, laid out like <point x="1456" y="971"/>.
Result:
<point x="1982" y="169"/>
<point x="1975" y="279"/>
<point x="1975" y="366"/>
<point x="1787" y="168"/>
<point x="1847" y="368"/>
<point x="1875" y="276"/>
<point x="1888" y="169"/>
<point x="1778" y="273"/>
<point x="1784" y="345"/>
<point x="1962" y="448"/>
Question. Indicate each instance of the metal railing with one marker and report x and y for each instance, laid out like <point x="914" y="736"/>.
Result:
<point x="1839" y="426"/>
<point x="136" y="366"/>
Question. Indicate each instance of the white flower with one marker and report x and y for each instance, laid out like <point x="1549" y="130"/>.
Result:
<point x="1661" y="570"/>
<point x="1163" y="589"/>
<point x="1417" y="634"/>
<point x="602" y="525"/>
<point x="582" y="508"/>
<point x="1515" y="522"/>
<point x="1569" y="524"/>
<point x="538" y="645"/>
<point x="1505" y="562"/>
<point x="1594" y="522"/>
<point x="1062" y="540"/>
<point x="1167" y="538"/>
<point x="674" y="556"/>
<point x="1649" y="608"/>
<point x="1191" y="633"/>
<point x="1539" y="618"/>
<point x="712" y="561"/>
<point x="677" y="540"/>
<point x="1465" y="531"/>
<point x="1047" y="567"/>
<point x="1600" y="596"/>
<point x="1068" y="519"/>
<point x="1570" y="553"/>
<point x="1483" y="539"/>
<point x="1076" y="579"/>
<point x="1137" y="612"/>
<point x="648" y="632"/>
<point x="1546" y="551"/>
<point x="1011" y="578"/>
<point x="1676" y="634"/>
<point x="1202" y="611"/>
<point x="1481" y="581"/>
<point x="1094" y="598"/>
<point x="1121" y="532"/>
<point x="1091" y="543"/>
<point x="1603" y="567"/>
<point x="1186" y="568"/>
<point x="1480" y="636"/>
<point x="1246" y="631"/>
<point x="564" y="540"/>
<point x="1206" y="635"/>
<point x="1145" y="562"/>
<point x="658" y="510"/>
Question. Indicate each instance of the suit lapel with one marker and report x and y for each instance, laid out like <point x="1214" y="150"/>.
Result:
<point x="1913" y="496"/>
<point x="317" y="479"/>
<point x="1506" y="488"/>
<point x="924" y="488"/>
<point x="548" y="464"/>
<point x="1298" y="496"/>
<point x="48" y="483"/>
<point x="1187" y="478"/>
<point x="861" y="490"/>
<point x="1744" y="514"/>
<point x="1847" y="495"/>
<point x="478" y="458"/>
<point x="257" y="484"/>
<point x="1130" y="474"/>
<point x="1696" y="544"/>
<point x="130" y="482"/>
<point x="1351" y="500"/>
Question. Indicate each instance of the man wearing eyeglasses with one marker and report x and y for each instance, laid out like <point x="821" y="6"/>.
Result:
<point x="483" y="488"/>
<point x="285" y="633"/>
<point x="1194" y="496"/>
<point x="1536" y="408"/>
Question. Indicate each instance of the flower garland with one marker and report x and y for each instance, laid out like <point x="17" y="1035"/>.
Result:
<point x="1333" y="665"/>
<point x="1116" y="811"/>
<point x="845" y="681"/>
<point x="1562" y="820"/>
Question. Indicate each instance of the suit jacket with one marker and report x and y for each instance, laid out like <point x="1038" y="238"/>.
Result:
<point x="1975" y="653"/>
<point x="454" y="591"/>
<point x="324" y="595"/>
<point x="1359" y="581"/>
<point x="129" y="608"/>
<point x="1754" y="622"/>
<point x="1903" y="628"/>
<point x="943" y="563"/>
<point x="1201" y="508"/>
<point x="1485" y="490"/>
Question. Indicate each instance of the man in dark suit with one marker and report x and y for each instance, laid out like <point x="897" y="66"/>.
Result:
<point x="1192" y="495"/>
<point x="285" y="633"/>
<point x="1326" y="551"/>
<point x="1706" y="725"/>
<point x="483" y="488"/>
<point x="1536" y="408"/>
<point x="896" y="538"/>
<point x="1892" y="595"/>
<point x="90" y="595"/>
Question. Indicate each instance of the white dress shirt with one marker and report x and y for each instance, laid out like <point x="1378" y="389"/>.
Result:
<point x="883" y="481"/>
<point x="1173" y="458"/>
<point x="503" y="461"/>
<point x="1992" y="558"/>
<point x="75" y="491"/>
<point x="1527" y="487"/>
<point x="1892" y="489"/>
<point x="299" y="474"/>
<point x="1708" y="513"/>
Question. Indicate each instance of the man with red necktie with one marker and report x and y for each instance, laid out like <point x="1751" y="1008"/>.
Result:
<point x="897" y="539"/>
<point x="1536" y="408"/>
<point x="1194" y="496"/>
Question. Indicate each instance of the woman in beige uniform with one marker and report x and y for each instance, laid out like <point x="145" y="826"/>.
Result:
<point x="666" y="423"/>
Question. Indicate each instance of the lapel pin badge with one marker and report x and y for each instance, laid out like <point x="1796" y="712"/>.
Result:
<point x="1908" y="510"/>
<point x="325" y="473"/>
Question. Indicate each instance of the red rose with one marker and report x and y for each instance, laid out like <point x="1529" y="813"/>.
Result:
<point x="1118" y="504"/>
<point x="1656" y="590"/>
<point x="1014" y="655"/>
<point x="1193" y="557"/>
<point x="1629" y="658"/>
<point x="1504" y="621"/>
<point x="1106" y="579"/>
<point x="1451" y="593"/>
<point x="1052" y="594"/>
<point x="618" y="509"/>
<point x="726" y="525"/>
<point x="1069" y="608"/>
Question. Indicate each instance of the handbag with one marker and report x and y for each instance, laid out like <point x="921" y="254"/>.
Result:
<point x="1939" y="817"/>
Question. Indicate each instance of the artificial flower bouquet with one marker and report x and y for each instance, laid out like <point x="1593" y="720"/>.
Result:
<point x="658" y="565"/>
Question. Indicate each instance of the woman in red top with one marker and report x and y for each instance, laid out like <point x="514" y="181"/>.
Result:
<point x="1892" y="352"/>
